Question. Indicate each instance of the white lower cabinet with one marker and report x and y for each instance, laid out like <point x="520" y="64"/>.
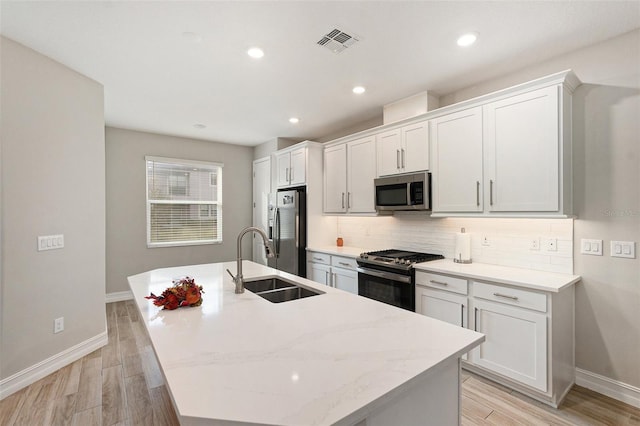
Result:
<point x="442" y="305"/>
<point x="345" y="279"/>
<point x="516" y="342"/>
<point x="529" y="334"/>
<point x="319" y="273"/>
<point x="334" y="271"/>
<point x="442" y="297"/>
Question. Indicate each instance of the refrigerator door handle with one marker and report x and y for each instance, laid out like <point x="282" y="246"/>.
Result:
<point x="276" y="238"/>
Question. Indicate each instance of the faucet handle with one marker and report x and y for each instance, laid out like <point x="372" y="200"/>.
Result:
<point x="232" y="276"/>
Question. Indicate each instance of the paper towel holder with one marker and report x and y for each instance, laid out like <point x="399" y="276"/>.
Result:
<point x="460" y="259"/>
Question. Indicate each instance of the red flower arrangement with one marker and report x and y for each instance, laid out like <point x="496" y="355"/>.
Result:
<point x="185" y="292"/>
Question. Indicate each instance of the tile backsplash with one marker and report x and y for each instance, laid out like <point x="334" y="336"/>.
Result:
<point x="509" y="240"/>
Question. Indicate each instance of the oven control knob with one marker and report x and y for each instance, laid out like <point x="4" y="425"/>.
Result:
<point x="407" y="262"/>
<point x="396" y="260"/>
<point x="363" y="255"/>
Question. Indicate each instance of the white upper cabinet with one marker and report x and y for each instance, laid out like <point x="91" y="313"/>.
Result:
<point x="457" y="162"/>
<point x="291" y="167"/>
<point x="388" y="147"/>
<point x="349" y="171"/>
<point x="503" y="154"/>
<point x="298" y="174"/>
<point x="508" y="154"/>
<point x="521" y="152"/>
<point x="361" y="171"/>
<point x="415" y="139"/>
<point x="335" y="179"/>
<point x="404" y="149"/>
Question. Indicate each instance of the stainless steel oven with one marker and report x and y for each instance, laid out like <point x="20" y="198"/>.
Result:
<point x="388" y="276"/>
<point x="395" y="289"/>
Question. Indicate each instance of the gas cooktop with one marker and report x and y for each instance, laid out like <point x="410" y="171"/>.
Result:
<point x="396" y="259"/>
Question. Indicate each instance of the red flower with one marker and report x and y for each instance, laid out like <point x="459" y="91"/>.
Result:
<point x="185" y="292"/>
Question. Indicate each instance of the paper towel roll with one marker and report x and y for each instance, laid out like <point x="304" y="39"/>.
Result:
<point x="463" y="248"/>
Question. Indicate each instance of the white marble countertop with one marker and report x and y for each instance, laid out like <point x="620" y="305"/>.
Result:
<point x="347" y="251"/>
<point x="526" y="278"/>
<point x="327" y="359"/>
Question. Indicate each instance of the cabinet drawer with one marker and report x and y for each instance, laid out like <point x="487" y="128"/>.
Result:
<point x="511" y="296"/>
<point x="344" y="262"/>
<point x="316" y="257"/>
<point x="442" y="282"/>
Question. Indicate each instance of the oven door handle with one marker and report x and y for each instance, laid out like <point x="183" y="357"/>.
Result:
<point x="384" y="274"/>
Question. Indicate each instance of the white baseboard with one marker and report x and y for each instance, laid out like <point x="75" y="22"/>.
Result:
<point x="42" y="369"/>
<point x="118" y="296"/>
<point x="609" y="387"/>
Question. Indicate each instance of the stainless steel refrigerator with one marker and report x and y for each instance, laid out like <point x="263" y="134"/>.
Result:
<point x="288" y="230"/>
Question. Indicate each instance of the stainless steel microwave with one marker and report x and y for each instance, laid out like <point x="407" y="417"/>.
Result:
<point x="410" y="191"/>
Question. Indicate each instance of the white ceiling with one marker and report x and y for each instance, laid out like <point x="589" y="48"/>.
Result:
<point x="157" y="79"/>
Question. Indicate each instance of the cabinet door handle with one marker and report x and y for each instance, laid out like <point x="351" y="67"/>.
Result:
<point x="286" y="174"/>
<point x="506" y="296"/>
<point x="344" y="264"/>
<point x="333" y="281"/>
<point x="343" y="200"/>
<point x="397" y="158"/>
<point x="327" y="279"/>
<point x="403" y="166"/>
<point x="348" y="200"/>
<point x="462" y="315"/>
<point x="475" y="319"/>
<point x="319" y="259"/>
<point x="291" y="174"/>
<point x="490" y="192"/>
<point x="478" y="193"/>
<point x="438" y="282"/>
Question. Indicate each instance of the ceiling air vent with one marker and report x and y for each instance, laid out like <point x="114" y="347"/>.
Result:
<point x="337" y="40"/>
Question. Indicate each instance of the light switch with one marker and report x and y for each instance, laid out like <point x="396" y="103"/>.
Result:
<point x="625" y="249"/>
<point x="592" y="247"/>
<point x="50" y="242"/>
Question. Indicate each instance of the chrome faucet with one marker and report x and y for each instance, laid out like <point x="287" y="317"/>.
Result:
<point x="237" y="279"/>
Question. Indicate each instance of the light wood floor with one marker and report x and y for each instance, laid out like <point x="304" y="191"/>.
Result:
<point x="121" y="384"/>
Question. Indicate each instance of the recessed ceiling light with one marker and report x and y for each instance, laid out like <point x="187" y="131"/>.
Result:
<point x="255" y="52"/>
<point x="194" y="37"/>
<point x="294" y="120"/>
<point x="467" y="39"/>
<point x="358" y="90"/>
<point x="199" y="126"/>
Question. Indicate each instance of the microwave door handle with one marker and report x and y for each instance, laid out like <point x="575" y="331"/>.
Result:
<point x="409" y="200"/>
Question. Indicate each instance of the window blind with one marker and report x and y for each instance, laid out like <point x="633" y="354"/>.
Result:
<point x="184" y="202"/>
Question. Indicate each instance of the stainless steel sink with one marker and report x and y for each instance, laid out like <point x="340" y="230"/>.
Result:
<point x="276" y="290"/>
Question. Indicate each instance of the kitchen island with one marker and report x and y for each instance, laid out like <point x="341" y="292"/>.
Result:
<point x="334" y="358"/>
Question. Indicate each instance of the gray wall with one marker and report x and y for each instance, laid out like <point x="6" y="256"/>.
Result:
<point x="127" y="251"/>
<point x="267" y="148"/>
<point x="52" y="134"/>
<point x="606" y="172"/>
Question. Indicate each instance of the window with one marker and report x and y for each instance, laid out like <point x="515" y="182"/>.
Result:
<point x="184" y="202"/>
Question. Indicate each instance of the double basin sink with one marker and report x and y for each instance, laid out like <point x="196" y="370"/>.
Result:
<point x="277" y="290"/>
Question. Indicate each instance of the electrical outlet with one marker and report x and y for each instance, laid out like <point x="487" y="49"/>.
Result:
<point x="485" y="241"/>
<point x="534" y="243"/>
<point x="58" y="325"/>
<point x="551" y="244"/>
